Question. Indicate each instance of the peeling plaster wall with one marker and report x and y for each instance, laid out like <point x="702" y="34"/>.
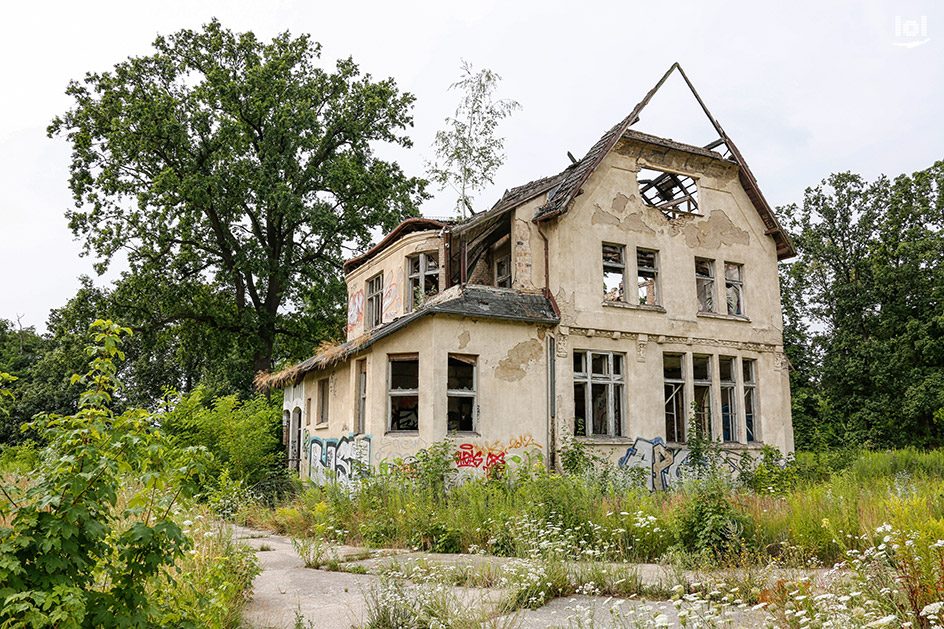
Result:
<point x="392" y="263"/>
<point x="610" y="210"/>
<point x="512" y="383"/>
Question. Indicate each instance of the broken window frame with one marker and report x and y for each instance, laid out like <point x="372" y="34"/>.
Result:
<point x="669" y="192"/>
<point x="360" y="416"/>
<point x="373" y="312"/>
<point x="701" y="386"/>
<point x="729" y="399"/>
<point x="735" y="285"/>
<point x="457" y="394"/>
<point x="616" y="268"/>
<point x="324" y="393"/>
<point x="705" y="286"/>
<point x="653" y="270"/>
<point x="615" y="390"/>
<point x="674" y="388"/>
<point x="503" y="278"/>
<point x="423" y="274"/>
<point x="398" y="393"/>
<point x="751" y="415"/>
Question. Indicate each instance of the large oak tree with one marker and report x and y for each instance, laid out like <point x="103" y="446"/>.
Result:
<point x="235" y="176"/>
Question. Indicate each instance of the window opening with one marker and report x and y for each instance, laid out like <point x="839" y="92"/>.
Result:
<point x="503" y="272"/>
<point x="705" y="284"/>
<point x="461" y="385"/>
<point x="359" y="424"/>
<point x="647" y="270"/>
<point x="701" y="375"/>
<point x="668" y="192"/>
<point x="614" y="272"/>
<point x="423" y="276"/>
<point x="323" y="401"/>
<point x="598" y="393"/>
<point x="726" y="371"/>
<point x="403" y="396"/>
<point x="750" y="399"/>
<point x="673" y="370"/>
<point x="374" y="301"/>
<point x="734" y="288"/>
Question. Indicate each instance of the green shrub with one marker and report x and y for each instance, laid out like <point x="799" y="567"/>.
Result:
<point x="70" y="558"/>
<point x="772" y="473"/>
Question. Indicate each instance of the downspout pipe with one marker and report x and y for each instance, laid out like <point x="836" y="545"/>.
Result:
<point x="551" y="363"/>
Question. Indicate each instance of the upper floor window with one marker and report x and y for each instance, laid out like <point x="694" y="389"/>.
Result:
<point x="614" y="272"/>
<point x="598" y="393"/>
<point x="503" y="272"/>
<point x="647" y="274"/>
<point x="374" y="311"/>
<point x="705" y="284"/>
<point x="403" y="392"/>
<point x="734" y="288"/>
<point x="669" y="192"/>
<point x="461" y="384"/>
<point x="423" y="276"/>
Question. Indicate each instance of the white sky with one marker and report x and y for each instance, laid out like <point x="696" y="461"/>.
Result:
<point x="803" y="88"/>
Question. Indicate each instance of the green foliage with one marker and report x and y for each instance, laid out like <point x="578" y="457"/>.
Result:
<point x="235" y="174"/>
<point x="434" y="467"/>
<point x="243" y="436"/>
<point x="468" y="153"/>
<point x="771" y="473"/>
<point x="708" y="520"/>
<point x="69" y="558"/>
<point x="870" y="280"/>
<point x="577" y="457"/>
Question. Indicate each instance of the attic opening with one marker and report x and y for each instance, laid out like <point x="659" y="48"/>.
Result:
<point x="480" y="254"/>
<point x="671" y="193"/>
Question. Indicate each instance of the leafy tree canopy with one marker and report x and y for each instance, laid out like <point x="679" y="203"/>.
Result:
<point x="864" y="311"/>
<point x="235" y="176"/>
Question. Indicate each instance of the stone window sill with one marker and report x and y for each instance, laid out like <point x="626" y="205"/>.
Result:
<point x="321" y="426"/>
<point x="718" y="315"/>
<point x="603" y="440"/>
<point x="629" y="306"/>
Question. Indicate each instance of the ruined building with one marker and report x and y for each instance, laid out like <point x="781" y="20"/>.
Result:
<point x="610" y="303"/>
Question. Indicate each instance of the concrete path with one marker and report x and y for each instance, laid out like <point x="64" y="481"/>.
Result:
<point x="289" y="595"/>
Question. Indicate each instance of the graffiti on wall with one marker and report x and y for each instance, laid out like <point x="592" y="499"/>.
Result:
<point x="664" y="464"/>
<point x="391" y="294"/>
<point x="355" y="309"/>
<point x="343" y="458"/>
<point x="491" y="457"/>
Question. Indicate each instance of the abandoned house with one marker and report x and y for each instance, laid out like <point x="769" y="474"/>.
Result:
<point x="619" y="302"/>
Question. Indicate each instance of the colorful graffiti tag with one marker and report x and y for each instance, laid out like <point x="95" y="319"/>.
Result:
<point x="355" y="309"/>
<point x="666" y="464"/>
<point x="344" y="458"/>
<point x="491" y="457"/>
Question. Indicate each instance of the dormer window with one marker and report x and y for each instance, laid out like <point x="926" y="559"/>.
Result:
<point x="669" y="192"/>
<point x="374" y="301"/>
<point x="423" y="276"/>
<point x="503" y="272"/>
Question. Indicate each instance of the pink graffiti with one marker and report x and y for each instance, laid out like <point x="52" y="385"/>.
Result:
<point x="355" y="309"/>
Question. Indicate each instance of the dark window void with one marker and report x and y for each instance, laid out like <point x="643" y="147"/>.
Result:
<point x="726" y="371"/>
<point x="705" y="284"/>
<point x="461" y="393"/>
<point x="670" y="193"/>
<point x="647" y="276"/>
<point x="403" y="393"/>
<point x="598" y="395"/>
<point x="423" y="275"/>
<point x="674" y="377"/>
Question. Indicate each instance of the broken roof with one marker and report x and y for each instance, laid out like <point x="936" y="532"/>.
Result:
<point x="480" y="302"/>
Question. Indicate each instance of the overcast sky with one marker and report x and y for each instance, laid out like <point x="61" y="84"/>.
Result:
<point x="803" y="88"/>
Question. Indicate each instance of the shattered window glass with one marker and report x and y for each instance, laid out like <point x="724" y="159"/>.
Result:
<point x="614" y="272"/>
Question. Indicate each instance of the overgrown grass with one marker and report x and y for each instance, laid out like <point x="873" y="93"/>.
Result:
<point x="817" y="518"/>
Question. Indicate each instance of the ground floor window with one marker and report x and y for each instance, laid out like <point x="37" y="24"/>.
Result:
<point x="714" y="388"/>
<point x="403" y="392"/>
<point x="598" y="393"/>
<point x="461" y="385"/>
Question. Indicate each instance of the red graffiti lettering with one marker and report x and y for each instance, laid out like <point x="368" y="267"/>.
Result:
<point x="466" y="456"/>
